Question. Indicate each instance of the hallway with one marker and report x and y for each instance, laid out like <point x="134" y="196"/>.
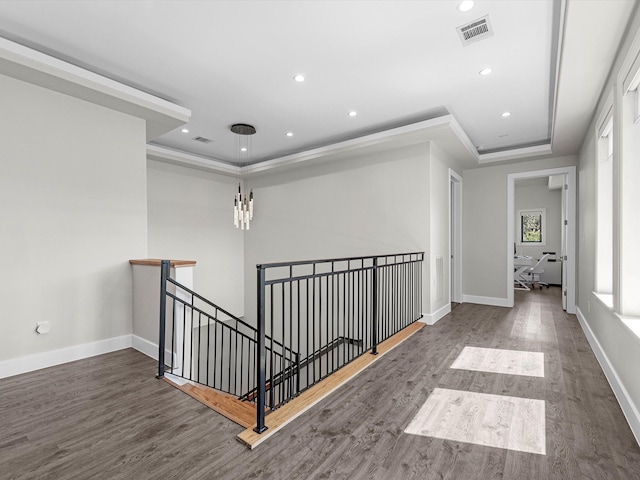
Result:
<point x="108" y="418"/>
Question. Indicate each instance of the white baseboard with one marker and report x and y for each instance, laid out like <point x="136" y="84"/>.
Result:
<point x="493" y="301"/>
<point x="29" y="363"/>
<point x="150" y="349"/>
<point x="145" y="346"/>
<point x="626" y="404"/>
<point x="432" y="318"/>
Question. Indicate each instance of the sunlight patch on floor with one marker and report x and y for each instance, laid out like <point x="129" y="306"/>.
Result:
<point x="499" y="421"/>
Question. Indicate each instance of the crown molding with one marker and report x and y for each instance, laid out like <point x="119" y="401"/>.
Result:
<point x="37" y="68"/>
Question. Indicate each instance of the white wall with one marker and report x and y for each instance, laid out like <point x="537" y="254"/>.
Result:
<point x="484" y="218"/>
<point x="190" y="217"/>
<point x="440" y="232"/>
<point x="616" y="346"/>
<point x="73" y="209"/>
<point x="368" y="205"/>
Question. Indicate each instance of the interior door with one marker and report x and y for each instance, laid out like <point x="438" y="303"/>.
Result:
<point x="563" y="257"/>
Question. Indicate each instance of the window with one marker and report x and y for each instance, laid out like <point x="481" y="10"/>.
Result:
<point x="628" y="230"/>
<point x="604" y="206"/>
<point x="531" y="226"/>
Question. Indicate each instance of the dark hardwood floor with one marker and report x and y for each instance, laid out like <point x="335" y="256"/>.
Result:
<point x="108" y="417"/>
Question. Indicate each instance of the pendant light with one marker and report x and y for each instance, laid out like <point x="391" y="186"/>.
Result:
<point x="243" y="203"/>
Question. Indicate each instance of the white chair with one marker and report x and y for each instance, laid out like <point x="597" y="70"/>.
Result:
<point x="519" y="282"/>
<point x="531" y="275"/>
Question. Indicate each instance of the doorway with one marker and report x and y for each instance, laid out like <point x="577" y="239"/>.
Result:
<point x="455" y="237"/>
<point x="567" y="256"/>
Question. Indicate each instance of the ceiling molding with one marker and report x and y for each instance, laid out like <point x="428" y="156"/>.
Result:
<point x="444" y="131"/>
<point x="167" y="155"/>
<point x="559" y="19"/>
<point x="515" y="154"/>
<point x="32" y="66"/>
<point x="421" y="132"/>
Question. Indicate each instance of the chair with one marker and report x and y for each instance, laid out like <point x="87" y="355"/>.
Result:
<point x="519" y="282"/>
<point x="531" y="275"/>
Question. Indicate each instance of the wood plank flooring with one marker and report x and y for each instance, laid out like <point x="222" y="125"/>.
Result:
<point x="107" y="417"/>
<point x="296" y="407"/>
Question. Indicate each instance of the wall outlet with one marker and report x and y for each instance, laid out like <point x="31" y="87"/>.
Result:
<point x="43" y="327"/>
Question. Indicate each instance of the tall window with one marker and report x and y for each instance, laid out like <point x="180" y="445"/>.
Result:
<point x="629" y="181"/>
<point x="604" y="207"/>
<point x="532" y="227"/>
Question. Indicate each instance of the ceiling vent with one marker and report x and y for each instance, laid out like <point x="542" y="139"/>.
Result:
<point x="475" y="31"/>
<point x="202" y="140"/>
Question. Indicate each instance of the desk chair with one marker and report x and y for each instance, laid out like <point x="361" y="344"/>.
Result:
<point x="531" y="276"/>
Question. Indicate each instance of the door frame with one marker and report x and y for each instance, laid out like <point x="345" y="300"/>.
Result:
<point x="568" y="264"/>
<point x="455" y="237"/>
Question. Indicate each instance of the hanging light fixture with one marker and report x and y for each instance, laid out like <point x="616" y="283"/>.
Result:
<point x="243" y="204"/>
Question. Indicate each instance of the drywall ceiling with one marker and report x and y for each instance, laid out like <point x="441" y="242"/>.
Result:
<point x="393" y="62"/>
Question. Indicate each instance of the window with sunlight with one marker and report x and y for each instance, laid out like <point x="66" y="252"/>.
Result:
<point x="531" y="227"/>
<point x="604" y="195"/>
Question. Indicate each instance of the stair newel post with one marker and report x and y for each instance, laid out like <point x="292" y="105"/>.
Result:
<point x="261" y="356"/>
<point x="165" y="267"/>
<point x="374" y="307"/>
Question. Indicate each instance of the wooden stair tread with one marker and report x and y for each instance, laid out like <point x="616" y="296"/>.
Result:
<point x="307" y="399"/>
<point x="242" y="413"/>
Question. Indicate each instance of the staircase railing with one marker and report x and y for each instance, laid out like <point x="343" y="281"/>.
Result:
<point x="314" y="317"/>
<point x="204" y="343"/>
<point x="330" y="312"/>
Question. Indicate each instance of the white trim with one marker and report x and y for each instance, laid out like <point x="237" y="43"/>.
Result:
<point x="150" y="349"/>
<point x="629" y="74"/>
<point x="630" y="411"/>
<point x="493" y="301"/>
<point x="432" y="318"/>
<point x="175" y="157"/>
<point x="455" y="216"/>
<point x="419" y="132"/>
<point x="40" y="69"/>
<point x="143" y="345"/>
<point x="514" y="154"/>
<point x="29" y="363"/>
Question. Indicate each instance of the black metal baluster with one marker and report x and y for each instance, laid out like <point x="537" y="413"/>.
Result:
<point x="298" y="326"/>
<point x="291" y="392"/>
<point x="374" y="314"/>
<point x="209" y="341"/>
<point x="199" y="340"/>
<point x="345" y="308"/>
<point x="272" y="375"/>
<point x="184" y="336"/>
<point x="309" y="357"/>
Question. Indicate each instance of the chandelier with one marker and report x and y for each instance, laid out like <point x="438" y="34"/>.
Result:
<point x="243" y="204"/>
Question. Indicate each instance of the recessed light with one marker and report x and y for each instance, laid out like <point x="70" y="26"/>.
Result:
<point x="506" y="114"/>
<point x="353" y="113"/>
<point x="299" y="78"/>
<point x="465" y="5"/>
<point x="185" y="130"/>
<point x="289" y="134"/>
<point x="243" y="149"/>
<point x="485" y="71"/>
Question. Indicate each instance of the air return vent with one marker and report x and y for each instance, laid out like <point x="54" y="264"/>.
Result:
<point x="202" y="140"/>
<point x="475" y="31"/>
